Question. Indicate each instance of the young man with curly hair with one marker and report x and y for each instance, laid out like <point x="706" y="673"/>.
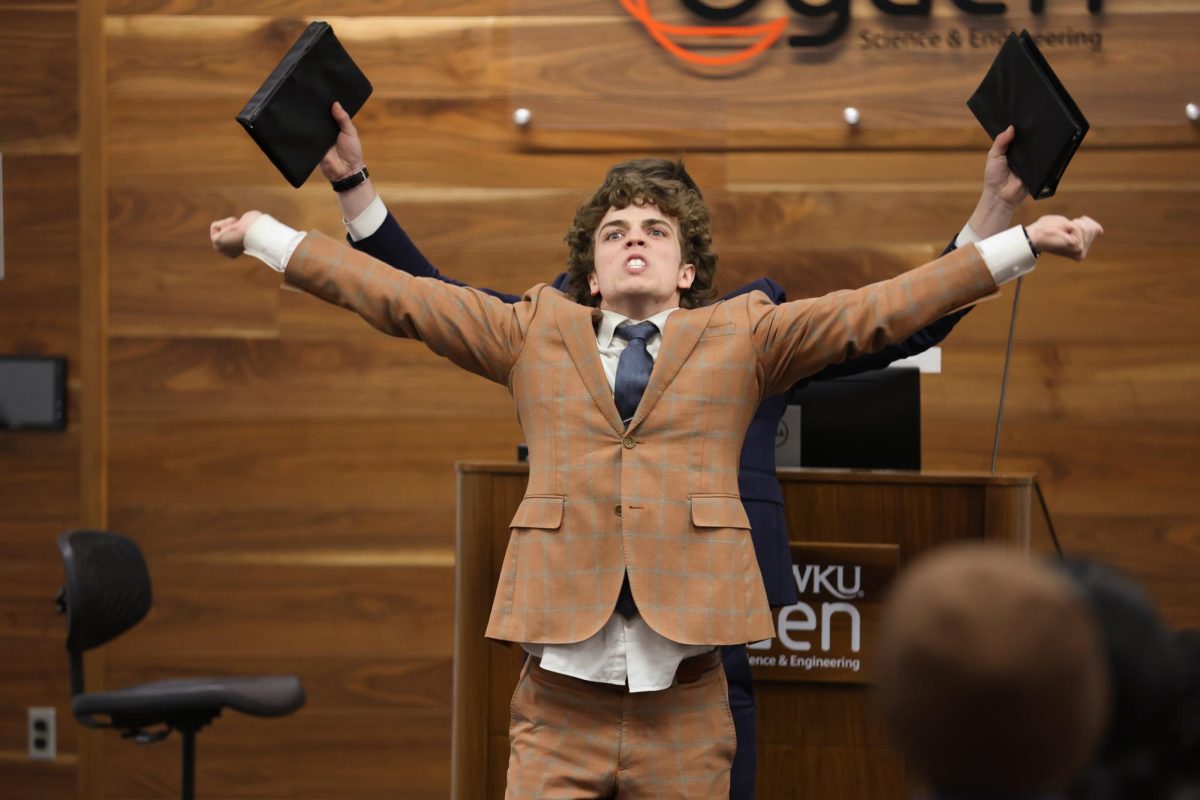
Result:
<point x="372" y="229"/>
<point x="630" y="559"/>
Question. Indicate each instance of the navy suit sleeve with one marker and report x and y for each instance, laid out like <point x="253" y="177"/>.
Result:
<point x="391" y="245"/>
<point x="561" y="282"/>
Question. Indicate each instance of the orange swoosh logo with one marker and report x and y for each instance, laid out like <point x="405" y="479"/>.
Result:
<point x="668" y="36"/>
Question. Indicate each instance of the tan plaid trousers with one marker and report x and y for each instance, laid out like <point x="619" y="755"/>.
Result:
<point x="577" y="739"/>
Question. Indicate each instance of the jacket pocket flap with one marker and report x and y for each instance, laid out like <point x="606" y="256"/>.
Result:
<point x="539" y="511"/>
<point x="718" y="511"/>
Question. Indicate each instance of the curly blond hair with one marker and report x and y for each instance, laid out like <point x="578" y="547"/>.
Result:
<point x="647" y="181"/>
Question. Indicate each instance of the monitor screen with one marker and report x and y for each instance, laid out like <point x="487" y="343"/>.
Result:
<point x="866" y="421"/>
<point x="33" y="392"/>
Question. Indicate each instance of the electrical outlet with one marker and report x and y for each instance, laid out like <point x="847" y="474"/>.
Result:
<point x="43" y="734"/>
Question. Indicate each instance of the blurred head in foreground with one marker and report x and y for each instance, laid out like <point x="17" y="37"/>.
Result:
<point x="991" y="678"/>
<point x="1149" y="751"/>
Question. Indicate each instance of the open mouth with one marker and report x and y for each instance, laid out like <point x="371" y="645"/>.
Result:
<point x="635" y="264"/>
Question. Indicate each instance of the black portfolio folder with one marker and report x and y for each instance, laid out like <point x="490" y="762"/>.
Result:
<point x="289" y="116"/>
<point x="1020" y="89"/>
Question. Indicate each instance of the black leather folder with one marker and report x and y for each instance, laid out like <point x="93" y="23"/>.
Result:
<point x="289" y="116"/>
<point x="1020" y="89"/>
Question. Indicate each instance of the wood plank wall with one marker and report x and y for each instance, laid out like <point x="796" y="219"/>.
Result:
<point x="39" y="315"/>
<point x="290" y="473"/>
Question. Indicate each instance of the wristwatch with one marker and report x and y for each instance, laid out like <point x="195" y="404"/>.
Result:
<point x="350" y="181"/>
<point x="1023" y="230"/>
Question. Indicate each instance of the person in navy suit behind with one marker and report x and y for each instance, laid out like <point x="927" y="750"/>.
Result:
<point x="373" y="230"/>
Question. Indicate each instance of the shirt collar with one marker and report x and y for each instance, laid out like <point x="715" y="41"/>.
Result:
<point x="609" y="320"/>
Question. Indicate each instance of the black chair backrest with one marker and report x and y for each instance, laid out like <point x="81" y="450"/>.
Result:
<point x="106" y="591"/>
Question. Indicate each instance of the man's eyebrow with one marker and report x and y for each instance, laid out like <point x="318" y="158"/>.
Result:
<point x="620" y="223"/>
<point x="652" y="221"/>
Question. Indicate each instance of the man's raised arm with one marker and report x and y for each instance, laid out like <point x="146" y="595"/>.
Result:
<point x="475" y="331"/>
<point x="799" y="338"/>
<point x="1002" y="193"/>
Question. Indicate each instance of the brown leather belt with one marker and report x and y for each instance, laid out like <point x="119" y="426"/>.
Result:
<point x="692" y="669"/>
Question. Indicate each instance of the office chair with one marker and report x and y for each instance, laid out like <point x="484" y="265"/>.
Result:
<point x="105" y="593"/>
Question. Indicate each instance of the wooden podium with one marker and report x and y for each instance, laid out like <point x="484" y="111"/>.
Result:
<point x="852" y="531"/>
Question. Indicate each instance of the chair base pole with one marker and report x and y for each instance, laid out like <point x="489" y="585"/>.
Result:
<point x="188" y="782"/>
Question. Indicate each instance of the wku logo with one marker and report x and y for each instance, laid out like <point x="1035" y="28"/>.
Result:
<point x="830" y="580"/>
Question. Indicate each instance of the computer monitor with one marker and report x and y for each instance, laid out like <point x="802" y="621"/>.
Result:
<point x="867" y="421"/>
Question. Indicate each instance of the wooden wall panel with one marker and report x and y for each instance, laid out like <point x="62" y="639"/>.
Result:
<point x="38" y="494"/>
<point x="1130" y="384"/>
<point x="321" y="8"/>
<point x="379" y="753"/>
<point x="219" y="606"/>
<point x="38" y="110"/>
<point x="421" y="141"/>
<point x="421" y="57"/>
<point x="34" y="667"/>
<point x="39" y="310"/>
<point x="39" y="295"/>
<point x="310" y="464"/>
<point x="369" y="376"/>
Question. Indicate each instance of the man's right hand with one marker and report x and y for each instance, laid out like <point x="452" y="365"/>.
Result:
<point x="228" y="236"/>
<point x="346" y="155"/>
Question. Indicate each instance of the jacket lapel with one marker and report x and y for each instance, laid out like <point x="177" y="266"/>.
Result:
<point x="578" y="327"/>
<point x="679" y="337"/>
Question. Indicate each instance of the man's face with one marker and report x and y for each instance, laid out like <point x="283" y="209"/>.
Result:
<point x="638" y="262"/>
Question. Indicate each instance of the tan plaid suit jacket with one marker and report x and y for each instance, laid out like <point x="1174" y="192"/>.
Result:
<point x="659" y="499"/>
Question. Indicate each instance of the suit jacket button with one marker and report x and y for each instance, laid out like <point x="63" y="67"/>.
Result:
<point x="617" y="510"/>
<point x="629" y="443"/>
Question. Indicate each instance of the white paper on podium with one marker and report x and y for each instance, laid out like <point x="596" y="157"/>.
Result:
<point x="929" y="362"/>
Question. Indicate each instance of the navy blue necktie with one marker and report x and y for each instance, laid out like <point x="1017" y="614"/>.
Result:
<point x="633" y="368"/>
<point x="633" y="373"/>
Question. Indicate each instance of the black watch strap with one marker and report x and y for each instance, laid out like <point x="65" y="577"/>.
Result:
<point x="1023" y="230"/>
<point x="350" y="181"/>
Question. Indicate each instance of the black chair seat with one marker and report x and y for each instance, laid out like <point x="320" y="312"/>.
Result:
<point x="162" y="701"/>
<point x="106" y="592"/>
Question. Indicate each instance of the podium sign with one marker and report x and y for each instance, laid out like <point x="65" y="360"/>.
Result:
<point x="829" y="636"/>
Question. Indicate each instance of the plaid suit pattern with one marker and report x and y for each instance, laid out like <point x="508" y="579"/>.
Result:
<point x="660" y="498"/>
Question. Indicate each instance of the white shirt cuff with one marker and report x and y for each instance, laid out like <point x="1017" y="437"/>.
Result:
<point x="368" y="222"/>
<point x="966" y="236"/>
<point x="272" y="242"/>
<point x="1007" y="255"/>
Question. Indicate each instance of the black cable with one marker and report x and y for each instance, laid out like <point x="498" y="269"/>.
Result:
<point x="1046" y="515"/>
<point x="1012" y="328"/>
